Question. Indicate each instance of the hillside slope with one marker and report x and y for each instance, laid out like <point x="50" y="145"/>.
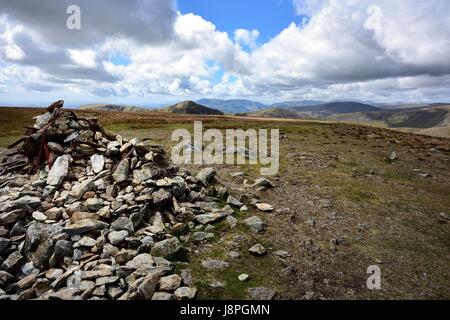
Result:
<point x="433" y="121"/>
<point x="335" y="108"/>
<point x="272" y="113"/>
<point x="190" y="107"/>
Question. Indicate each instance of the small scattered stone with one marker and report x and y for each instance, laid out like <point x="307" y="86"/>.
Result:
<point x="163" y="296"/>
<point x="255" y="224"/>
<point x="261" y="293"/>
<point x="262" y="182"/>
<point x="234" y="255"/>
<point x="257" y="250"/>
<point x="207" y="175"/>
<point x="202" y="236"/>
<point x="232" y="221"/>
<point x="265" y="207"/>
<point x="217" y="284"/>
<point x="243" y="277"/>
<point x="185" y="293"/>
<point x="234" y="202"/>
<point x="215" y="264"/>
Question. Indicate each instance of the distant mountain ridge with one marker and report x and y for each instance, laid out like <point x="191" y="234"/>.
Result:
<point x="296" y="103"/>
<point x="314" y="111"/>
<point x="112" y="107"/>
<point x="232" y="105"/>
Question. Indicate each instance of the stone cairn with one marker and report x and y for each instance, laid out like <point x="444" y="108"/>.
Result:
<point x="87" y="214"/>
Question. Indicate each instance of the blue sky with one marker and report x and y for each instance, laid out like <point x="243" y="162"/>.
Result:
<point x="269" y="17"/>
<point x="148" y="52"/>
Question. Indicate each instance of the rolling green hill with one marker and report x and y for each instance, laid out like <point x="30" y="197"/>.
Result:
<point x="190" y="107"/>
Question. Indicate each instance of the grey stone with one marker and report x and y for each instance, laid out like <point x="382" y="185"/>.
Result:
<point x="217" y="284"/>
<point x="162" y="196"/>
<point x="282" y="254"/>
<point x="234" y="202"/>
<point x="86" y="242"/>
<point x="117" y="237"/>
<point x="78" y="190"/>
<point x="257" y="250"/>
<point x="166" y="247"/>
<point x="213" y="264"/>
<point x="262" y="182"/>
<point x="53" y="274"/>
<point x="146" y="172"/>
<point x="5" y="278"/>
<point x="94" y="204"/>
<point x="59" y="170"/>
<point x="84" y="226"/>
<point x="147" y="286"/>
<point x="91" y="275"/>
<point x="393" y="156"/>
<point x="39" y="216"/>
<point x="207" y="175"/>
<point x="265" y="207"/>
<point x="163" y="296"/>
<point x="54" y="213"/>
<point x="212" y="217"/>
<point x="261" y="293"/>
<point x="106" y="280"/>
<point x="97" y="163"/>
<point x="232" y="221"/>
<point x="243" y="277"/>
<point x="202" y="236"/>
<point x="186" y="275"/>
<point x="185" y="293"/>
<point x="4" y="244"/>
<point x="13" y="262"/>
<point x="234" y="255"/>
<point x="65" y="294"/>
<point x="55" y="147"/>
<point x="63" y="248"/>
<point x="122" y="171"/>
<point x="123" y="223"/>
<point x="23" y="201"/>
<point x="141" y="261"/>
<point x="170" y="283"/>
<point x="114" y="292"/>
<point x="27" y="281"/>
<point x="255" y="224"/>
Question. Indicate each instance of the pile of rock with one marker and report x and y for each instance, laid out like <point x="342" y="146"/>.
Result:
<point x="87" y="214"/>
